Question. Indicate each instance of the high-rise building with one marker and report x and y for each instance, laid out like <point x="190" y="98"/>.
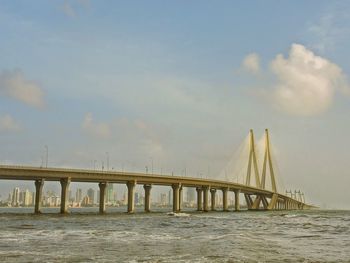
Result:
<point x="86" y="201"/>
<point x="15" y="197"/>
<point x="33" y="198"/>
<point x="191" y="195"/>
<point x="163" y="201"/>
<point x="91" y="195"/>
<point x="78" y="195"/>
<point x="98" y="196"/>
<point x="27" y="198"/>
<point x="170" y="197"/>
<point x="70" y="196"/>
<point x="137" y="198"/>
<point x="110" y="193"/>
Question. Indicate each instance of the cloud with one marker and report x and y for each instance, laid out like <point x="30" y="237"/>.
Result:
<point x="8" y="124"/>
<point x="68" y="9"/>
<point x="100" y="130"/>
<point x="251" y="63"/>
<point x="329" y="31"/>
<point x="14" y="84"/>
<point x="134" y="136"/>
<point x="306" y="83"/>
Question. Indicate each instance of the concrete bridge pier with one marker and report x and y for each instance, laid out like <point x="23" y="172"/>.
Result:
<point x="180" y="197"/>
<point x="131" y="193"/>
<point x="249" y="201"/>
<point x="102" y="205"/>
<point x="176" y="199"/>
<point x="237" y="206"/>
<point x="147" y="188"/>
<point x="213" y="198"/>
<point x="38" y="195"/>
<point x="224" y="199"/>
<point x="205" y="198"/>
<point x="199" y="199"/>
<point x="64" y="195"/>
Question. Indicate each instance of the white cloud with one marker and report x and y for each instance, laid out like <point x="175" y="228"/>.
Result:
<point x="131" y="136"/>
<point x="329" y="31"/>
<point x="8" y="124"/>
<point x="251" y="63"/>
<point x="100" y="130"/>
<point x="324" y="33"/>
<point x="14" y="84"/>
<point x="306" y="83"/>
<point x="68" y="9"/>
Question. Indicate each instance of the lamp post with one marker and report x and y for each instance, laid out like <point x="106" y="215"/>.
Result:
<point x="152" y="164"/>
<point x="47" y="155"/>
<point x="107" y="154"/>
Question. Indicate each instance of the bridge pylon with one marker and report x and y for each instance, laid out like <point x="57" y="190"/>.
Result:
<point x="253" y="165"/>
<point x="252" y="162"/>
<point x="268" y="161"/>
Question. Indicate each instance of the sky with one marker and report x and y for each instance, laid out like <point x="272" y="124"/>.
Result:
<point x="178" y="84"/>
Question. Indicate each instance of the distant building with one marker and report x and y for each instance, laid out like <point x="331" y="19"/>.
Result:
<point x="110" y="193"/>
<point x="191" y="195"/>
<point x="86" y="201"/>
<point x="91" y="195"/>
<point x="98" y="197"/>
<point x="27" y="198"/>
<point x="163" y="200"/>
<point x="70" y="196"/>
<point x="138" y="198"/>
<point x="52" y="200"/>
<point x="78" y="195"/>
<point x="15" y="197"/>
<point x="170" y="197"/>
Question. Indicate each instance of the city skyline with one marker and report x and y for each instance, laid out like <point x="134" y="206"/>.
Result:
<point x="77" y="197"/>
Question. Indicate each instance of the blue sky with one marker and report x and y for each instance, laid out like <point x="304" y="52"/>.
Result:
<point x="178" y="82"/>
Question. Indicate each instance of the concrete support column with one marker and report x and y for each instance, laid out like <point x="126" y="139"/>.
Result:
<point x="213" y="199"/>
<point x="180" y="197"/>
<point x="64" y="195"/>
<point x="199" y="199"/>
<point x="224" y="199"/>
<point x="131" y="193"/>
<point x="102" y="205"/>
<point x="237" y="206"/>
<point x="205" y="198"/>
<point x="176" y="193"/>
<point x="38" y="195"/>
<point x="147" y="188"/>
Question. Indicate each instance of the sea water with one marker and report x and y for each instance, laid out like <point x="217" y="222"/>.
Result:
<point x="82" y="236"/>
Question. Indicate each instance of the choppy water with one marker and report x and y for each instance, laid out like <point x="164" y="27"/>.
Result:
<point x="295" y="236"/>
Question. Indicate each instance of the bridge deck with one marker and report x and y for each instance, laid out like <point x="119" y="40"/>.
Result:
<point x="80" y="175"/>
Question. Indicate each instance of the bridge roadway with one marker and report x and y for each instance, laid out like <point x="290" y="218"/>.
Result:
<point x="256" y="198"/>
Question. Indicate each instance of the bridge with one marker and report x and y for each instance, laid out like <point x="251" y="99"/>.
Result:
<point x="257" y="196"/>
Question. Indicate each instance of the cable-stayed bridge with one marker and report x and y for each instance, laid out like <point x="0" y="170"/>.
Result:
<point x="254" y="188"/>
